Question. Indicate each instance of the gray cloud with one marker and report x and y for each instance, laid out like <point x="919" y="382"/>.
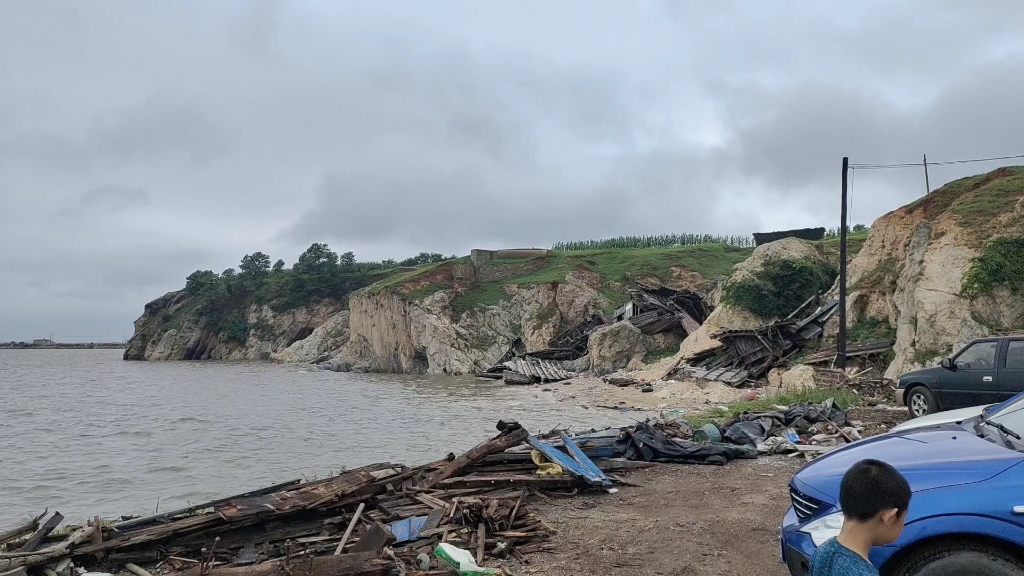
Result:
<point x="139" y="142"/>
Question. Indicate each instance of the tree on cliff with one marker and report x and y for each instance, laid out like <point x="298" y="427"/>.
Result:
<point x="347" y="260"/>
<point x="278" y="267"/>
<point x="317" y="265"/>
<point x="200" y="281"/>
<point x="254" y="269"/>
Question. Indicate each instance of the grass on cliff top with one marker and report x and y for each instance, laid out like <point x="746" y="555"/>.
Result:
<point x="708" y="260"/>
<point x="976" y="202"/>
<point x="854" y="242"/>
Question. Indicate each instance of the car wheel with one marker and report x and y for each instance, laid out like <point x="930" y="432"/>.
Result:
<point x="960" y="559"/>
<point x="921" y="402"/>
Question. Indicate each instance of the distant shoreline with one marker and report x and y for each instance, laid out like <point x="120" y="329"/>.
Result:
<point x="58" y="346"/>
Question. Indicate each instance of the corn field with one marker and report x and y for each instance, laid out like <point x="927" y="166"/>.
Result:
<point x="660" y="241"/>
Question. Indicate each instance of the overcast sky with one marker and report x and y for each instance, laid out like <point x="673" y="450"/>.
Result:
<point x="140" y="141"/>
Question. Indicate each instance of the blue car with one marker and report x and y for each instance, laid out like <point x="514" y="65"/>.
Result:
<point x="966" y="471"/>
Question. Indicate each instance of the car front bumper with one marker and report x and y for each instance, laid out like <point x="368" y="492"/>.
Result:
<point x="796" y="548"/>
<point x="900" y="394"/>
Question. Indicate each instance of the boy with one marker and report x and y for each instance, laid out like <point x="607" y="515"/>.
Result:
<point x="874" y="498"/>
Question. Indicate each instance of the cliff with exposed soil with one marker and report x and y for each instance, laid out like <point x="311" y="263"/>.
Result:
<point x="943" y="270"/>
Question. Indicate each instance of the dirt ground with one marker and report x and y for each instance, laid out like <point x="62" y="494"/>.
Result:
<point x="689" y="397"/>
<point x="681" y="519"/>
<point x="690" y="520"/>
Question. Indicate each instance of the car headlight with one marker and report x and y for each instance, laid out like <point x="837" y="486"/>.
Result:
<point x="824" y="528"/>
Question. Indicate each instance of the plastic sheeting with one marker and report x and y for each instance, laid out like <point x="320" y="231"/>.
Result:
<point x="647" y="444"/>
<point x="754" y="429"/>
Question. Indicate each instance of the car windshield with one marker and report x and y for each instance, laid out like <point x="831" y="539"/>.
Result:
<point x="1010" y="414"/>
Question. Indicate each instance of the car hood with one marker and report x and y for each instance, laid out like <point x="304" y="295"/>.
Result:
<point x="929" y="457"/>
<point x="948" y="417"/>
<point x="927" y="375"/>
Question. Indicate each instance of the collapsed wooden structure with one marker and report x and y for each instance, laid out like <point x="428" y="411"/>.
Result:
<point x="660" y="309"/>
<point x="379" y="519"/>
<point x="747" y="354"/>
<point x="651" y="309"/>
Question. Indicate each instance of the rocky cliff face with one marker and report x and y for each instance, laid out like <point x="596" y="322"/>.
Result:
<point x="165" y="332"/>
<point x="387" y="330"/>
<point x="909" y="273"/>
<point x="392" y="333"/>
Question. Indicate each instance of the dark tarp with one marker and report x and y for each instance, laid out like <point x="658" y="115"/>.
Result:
<point x="647" y="444"/>
<point x="753" y="429"/>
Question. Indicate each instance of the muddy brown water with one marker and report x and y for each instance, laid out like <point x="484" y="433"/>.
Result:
<point x="86" y="433"/>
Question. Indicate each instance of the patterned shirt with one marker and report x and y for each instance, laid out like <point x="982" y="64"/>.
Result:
<point x="834" y="559"/>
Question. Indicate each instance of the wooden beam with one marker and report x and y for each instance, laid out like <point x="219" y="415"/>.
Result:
<point x="36" y="539"/>
<point x="494" y="445"/>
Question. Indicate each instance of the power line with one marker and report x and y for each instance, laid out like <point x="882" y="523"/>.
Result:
<point x="921" y="164"/>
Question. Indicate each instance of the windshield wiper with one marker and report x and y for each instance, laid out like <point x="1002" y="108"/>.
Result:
<point x="1000" y="427"/>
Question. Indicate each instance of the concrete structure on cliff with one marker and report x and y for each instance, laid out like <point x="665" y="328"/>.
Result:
<point x="480" y="257"/>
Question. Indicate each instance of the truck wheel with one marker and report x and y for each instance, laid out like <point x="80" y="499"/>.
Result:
<point x="921" y="402"/>
<point x="960" y="559"/>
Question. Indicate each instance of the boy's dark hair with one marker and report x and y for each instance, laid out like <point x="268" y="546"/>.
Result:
<point x="870" y="487"/>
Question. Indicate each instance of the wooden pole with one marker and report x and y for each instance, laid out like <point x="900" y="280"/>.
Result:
<point x="351" y="525"/>
<point x="927" y="186"/>
<point x="841" y="337"/>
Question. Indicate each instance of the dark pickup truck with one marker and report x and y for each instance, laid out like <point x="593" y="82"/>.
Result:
<point x="986" y="371"/>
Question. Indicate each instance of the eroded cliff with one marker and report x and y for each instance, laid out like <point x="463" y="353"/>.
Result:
<point x="909" y="276"/>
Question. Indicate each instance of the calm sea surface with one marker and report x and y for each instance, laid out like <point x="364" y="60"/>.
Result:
<point x="85" y="433"/>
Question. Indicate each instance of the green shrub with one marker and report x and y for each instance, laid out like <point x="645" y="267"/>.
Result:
<point x="1001" y="263"/>
<point x="779" y="287"/>
<point x="869" y="329"/>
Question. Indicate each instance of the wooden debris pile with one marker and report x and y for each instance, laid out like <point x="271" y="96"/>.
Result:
<point x="565" y="360"/>
<point x="650" y="309"/>
<point x="660" y="309"/>
<point x="379" y="519"/>
<point x="746" y="355"/>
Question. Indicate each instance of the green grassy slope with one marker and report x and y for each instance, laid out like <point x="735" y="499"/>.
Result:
<point x="613" y="266"/>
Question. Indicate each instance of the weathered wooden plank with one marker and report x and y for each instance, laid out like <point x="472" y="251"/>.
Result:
<point x="136" y="523"/>
<point x="33" y="542"/>
<point x="153" y="533"/>
<point x="541" y="482"/>
<point x="376" y="538"/>
<point x="14" y="560"/>
<point x="499" y="443"/>
<point x="26" y="528"/>
<point x="299" y="498"/>
<point x="366" y="564"/>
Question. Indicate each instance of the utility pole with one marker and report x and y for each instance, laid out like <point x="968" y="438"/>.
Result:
<point x="927" y="186"/>
<point x="841" y="337"/>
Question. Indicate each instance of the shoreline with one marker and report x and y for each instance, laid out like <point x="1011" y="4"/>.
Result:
<point x="84" y="346"/>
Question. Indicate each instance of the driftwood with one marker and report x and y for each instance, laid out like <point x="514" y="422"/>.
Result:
<point x="26" y="528"/>
<point x="28" y="559"/>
